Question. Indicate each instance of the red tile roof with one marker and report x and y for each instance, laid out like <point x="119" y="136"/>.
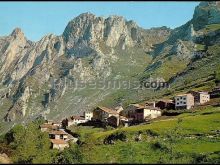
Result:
<point x="59" y="132"/>
<point x="139" y="106"/>
<point x="108" y="110"/>
<point x="185" y="94"/>
<point x="50" y="126"/>
<point x="166" y="100"/>
<point x="77" y="118"/>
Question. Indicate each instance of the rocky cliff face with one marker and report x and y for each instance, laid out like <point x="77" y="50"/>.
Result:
<point x="84" y="33"/>
<point x="84" y="51"/>
<point x="206" y="13"/>
<point x="33" y="74"/>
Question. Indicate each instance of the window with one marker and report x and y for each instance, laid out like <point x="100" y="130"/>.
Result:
<point x="181" y="97"/>
<point x="184" y="102"/>
<point x="184" y="98"/>
<point x="177" y="103"/>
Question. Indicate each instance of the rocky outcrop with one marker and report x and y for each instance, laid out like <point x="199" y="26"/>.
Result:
<point x="206" y="13"/>
<point x="84" y="51"/>
<point x="84" y="33"/>
<point x="180" y="49"/>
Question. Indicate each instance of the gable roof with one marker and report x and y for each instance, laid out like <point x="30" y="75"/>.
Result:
<point x="184" y="94"/>
<point x="58" y="141"/>
<point x="166" y="100"/>
<point x="49" y="126"/>
<point x="77" y="118"/>
<point x="108" y="110"/>
<point x="199" y="92"/>
<point x="59" y="132"/>
<point x="138" y="106"/>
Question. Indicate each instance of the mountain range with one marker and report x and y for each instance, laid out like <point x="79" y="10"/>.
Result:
<point x="33" y="75"/>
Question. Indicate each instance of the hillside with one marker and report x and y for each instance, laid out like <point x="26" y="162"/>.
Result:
<point x="191" y="137"/>
<point x="37" y="77"/>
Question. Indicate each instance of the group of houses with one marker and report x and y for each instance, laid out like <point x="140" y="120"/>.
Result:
<point x="137" y="113"/>
<point x="133" y="114"/>
<point x="59" y="138"/>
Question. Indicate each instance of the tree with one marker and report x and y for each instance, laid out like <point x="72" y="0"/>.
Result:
<point x="70" y="155"/>
<point x="30" y="144"/>
<point x="217" y="74"/>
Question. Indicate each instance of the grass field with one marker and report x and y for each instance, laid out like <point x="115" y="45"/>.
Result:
<point x="187" y="138"/>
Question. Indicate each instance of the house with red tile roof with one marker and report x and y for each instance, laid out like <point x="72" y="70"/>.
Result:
<point x="58" y="134"/>
<point x="102" y="113"/>
<point x="59" y="144"/>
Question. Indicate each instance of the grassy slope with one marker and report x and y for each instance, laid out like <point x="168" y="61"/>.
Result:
<point x="201" y="121"/>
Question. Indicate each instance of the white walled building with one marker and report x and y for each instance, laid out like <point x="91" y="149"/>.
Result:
<point x="152" y="112"/>
<point x="59" y="144"/>
<point x="88" y="115"/>
<point x="184" y="101"/>
<point x="201" y="97"/>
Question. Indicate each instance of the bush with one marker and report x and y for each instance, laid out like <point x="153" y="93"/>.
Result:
<point x="116" y="136"/>
<point x="30" y="145"/>
<point x="70" y="155"/>
<point x="151" y="133"/>
<point x="217" y="74"/>
<point x="158" y="145"/>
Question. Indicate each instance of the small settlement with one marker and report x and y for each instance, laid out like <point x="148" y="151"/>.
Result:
<point x="118" y="116"/>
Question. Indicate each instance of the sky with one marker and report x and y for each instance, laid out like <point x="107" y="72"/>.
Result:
<point x="37" y="19"/>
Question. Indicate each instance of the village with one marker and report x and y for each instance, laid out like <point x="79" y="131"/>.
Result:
<point x="132" y="115"/>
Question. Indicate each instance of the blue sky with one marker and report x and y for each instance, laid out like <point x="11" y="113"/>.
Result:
<point x="37" y="19"/>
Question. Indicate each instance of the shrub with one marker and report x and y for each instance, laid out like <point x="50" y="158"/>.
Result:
<point x="70" y="155"/>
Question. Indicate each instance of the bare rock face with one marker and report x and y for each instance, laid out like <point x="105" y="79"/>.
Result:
<point x="12" y="48"/>
<point x="180" y="49"/>
<point x="84" y="33"/>
<point x="84" y="52"/>
<point x="206" y="13"/>
<point x="34" y="72"/>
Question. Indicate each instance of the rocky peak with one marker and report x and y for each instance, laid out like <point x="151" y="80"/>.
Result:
<point x="207" y="4"/>
<point x="206" y="13"/>
<point x="17" y="33"/>
<point x="87" y="31"/>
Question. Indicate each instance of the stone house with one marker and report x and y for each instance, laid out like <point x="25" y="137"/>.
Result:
<point x="130" y="110"/>
<point x="59" y="144"/>
<point x="88" y="115"/>
<point x="165" y="104"/>
<point x="113" y="121"/>
<point x="184" y="101"/>
<point x="200" y="97"/>
<point x="102" y="113"/>
<point x="141" y="113"/>
<point x="146" y="113"/>
<point x="58" y="134"/>
<point x="48" y="127"/>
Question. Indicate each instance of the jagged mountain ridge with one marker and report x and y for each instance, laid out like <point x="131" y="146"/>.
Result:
<point x="93" y="48"/>
<point x="185" y="41"/>
<point x="27" y="68"/>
